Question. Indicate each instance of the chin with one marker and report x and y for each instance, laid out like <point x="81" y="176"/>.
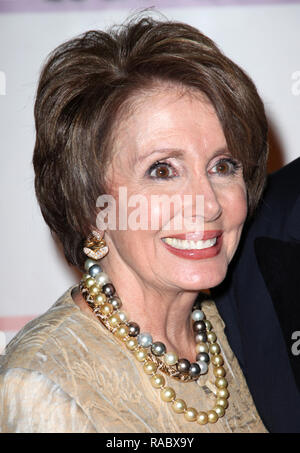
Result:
<point x="197" y="280"/>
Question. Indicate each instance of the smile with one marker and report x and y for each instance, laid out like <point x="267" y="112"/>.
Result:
<point x="195" y="248"/>
<point x="190" y="245"/>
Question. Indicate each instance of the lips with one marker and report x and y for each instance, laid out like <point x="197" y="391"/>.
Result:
<point x="194" y="245"/>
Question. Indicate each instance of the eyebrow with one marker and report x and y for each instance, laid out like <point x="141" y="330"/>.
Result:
<point x="175" y="152"/>
<point x="171" y="152"/>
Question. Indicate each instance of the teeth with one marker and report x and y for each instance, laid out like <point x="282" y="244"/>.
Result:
<point x="188" y="245"/>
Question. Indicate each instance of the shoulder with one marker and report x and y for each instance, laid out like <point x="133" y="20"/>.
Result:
<point x="32" y="403"/>
<point x="278" y="214"/>
<point x="67" y="358"/>
<point x="289" y="174"/>
<point x="283" y="186"/>
<point x="34" y="392"/>
<point x="56" y="340"/>
<point x="49" y="332"/>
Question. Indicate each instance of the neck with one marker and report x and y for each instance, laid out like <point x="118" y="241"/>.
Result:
<point x="162" y="311"/>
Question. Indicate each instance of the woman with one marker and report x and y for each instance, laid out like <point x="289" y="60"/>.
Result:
<point x="154" y="109"/>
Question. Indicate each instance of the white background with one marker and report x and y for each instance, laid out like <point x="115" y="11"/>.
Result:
<point x="264" y="40"/>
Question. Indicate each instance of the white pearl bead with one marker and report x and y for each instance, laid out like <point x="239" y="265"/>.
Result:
<point x="145" y="339"/>
<point x="102" y="278"/>
<point x="122" y="316"/>
<point x="170" y="358"/>
<point x="203" y="367"/>
<point x="197" y="315"/>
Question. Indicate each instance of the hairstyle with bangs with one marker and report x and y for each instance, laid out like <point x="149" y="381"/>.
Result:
<point x="82" y="88"/>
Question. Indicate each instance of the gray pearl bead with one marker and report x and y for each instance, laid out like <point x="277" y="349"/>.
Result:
<point x="145" y="340"/>
<point x="194" y="370"/>
<point x="203" y="367"/>
<point x="133" y="329"/>
<point x="183" y="365"/>
<point x="202" y="357"/>
<point x="94" y="270"/>
<point x="116" y="302"/>
<point x="158" y="348"/>
<point x="197" y="315"/>
<point x="108" y="289"/>
<point x="199" y="326"/>
<point x="201" y="337"/>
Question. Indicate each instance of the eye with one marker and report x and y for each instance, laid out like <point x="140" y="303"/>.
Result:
<point x="226" y="167"/>
<point x="161" y="170"/>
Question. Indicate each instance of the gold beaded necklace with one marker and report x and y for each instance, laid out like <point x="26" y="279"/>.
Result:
<point x="100" y="295"/>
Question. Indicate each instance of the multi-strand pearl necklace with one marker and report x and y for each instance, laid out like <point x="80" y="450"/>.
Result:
<point x="100" y="295"/>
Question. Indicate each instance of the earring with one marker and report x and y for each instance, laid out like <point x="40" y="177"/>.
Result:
<point x="95" y="246"/>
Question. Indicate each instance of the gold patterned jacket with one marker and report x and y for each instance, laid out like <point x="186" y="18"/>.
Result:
<point x="64" y="372"/>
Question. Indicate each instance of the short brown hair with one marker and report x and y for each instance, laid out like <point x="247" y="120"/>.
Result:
<point x="84" y="84"/>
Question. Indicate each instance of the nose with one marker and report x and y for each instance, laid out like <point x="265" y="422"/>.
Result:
<point x="211" y="205"/>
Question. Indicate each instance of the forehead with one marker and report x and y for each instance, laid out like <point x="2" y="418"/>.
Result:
<point x="169" y="117"/>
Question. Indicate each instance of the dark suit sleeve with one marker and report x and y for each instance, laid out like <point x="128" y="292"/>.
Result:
<point x="260" y="302"/>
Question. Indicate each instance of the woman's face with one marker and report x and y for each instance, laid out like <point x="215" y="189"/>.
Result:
<point x="173" y="144"/>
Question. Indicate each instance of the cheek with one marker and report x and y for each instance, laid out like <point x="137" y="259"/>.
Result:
<point x="242" y="205"/>
<point x="160" y="212"/>
<point x="236" y="205"/>
<point x="127" y="246"/>
<point x="149" y="212"/>
<point x="234" y="218"/>
<point x="135" y="222"/>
